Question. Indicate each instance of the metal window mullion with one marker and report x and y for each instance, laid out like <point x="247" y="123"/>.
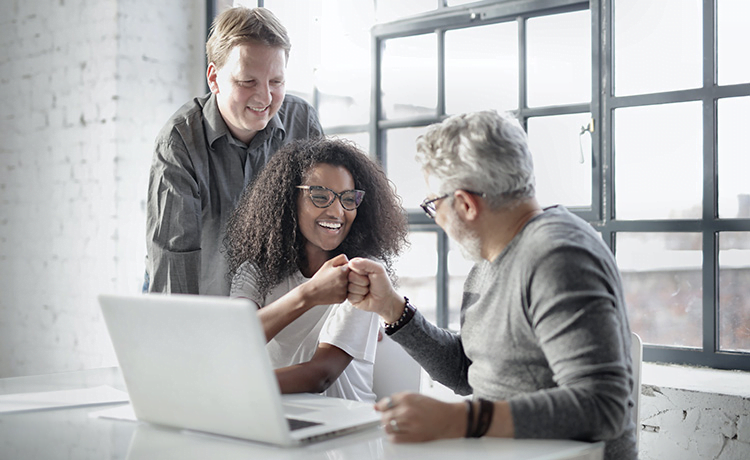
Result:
<point x="443" y="275"/>
<point x="710" y="292"/>
<point x="210" y="14"/>
<point x="377" y="138"/>
<point x="659" y="226"/>
<point x="467" y="15"/>
<point x="440" y="33"/>
<point x="522" y="72"/>
<point x="606" y="129"/>
<point x="597" y="173"/>
<point x="710" y="273"/>
<point x="530" y="112"/>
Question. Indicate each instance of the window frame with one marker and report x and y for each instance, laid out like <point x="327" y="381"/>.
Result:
<point x="601" y="214"/>
<point x="709" y="225"/>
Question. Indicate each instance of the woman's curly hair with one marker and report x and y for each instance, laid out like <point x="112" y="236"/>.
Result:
<point x="263" y="228"/>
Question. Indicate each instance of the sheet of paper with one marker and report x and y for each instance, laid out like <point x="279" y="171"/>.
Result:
<point x="118" y="413"/>
<point x="21" y="402"/>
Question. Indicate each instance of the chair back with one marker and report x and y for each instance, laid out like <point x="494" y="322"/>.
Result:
<point x="394" y="370"/>
<point x="636" y="351"/>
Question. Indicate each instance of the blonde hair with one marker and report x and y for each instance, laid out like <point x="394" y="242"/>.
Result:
<point x="240" y="25"/>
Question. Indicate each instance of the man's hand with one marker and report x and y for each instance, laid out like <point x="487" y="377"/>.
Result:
<point x="370" y="289"/>
<point x="411" y="417"/>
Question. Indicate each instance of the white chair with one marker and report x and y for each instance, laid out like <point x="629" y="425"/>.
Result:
<point x="636" y="352"/>
<point x="394" y="370"/>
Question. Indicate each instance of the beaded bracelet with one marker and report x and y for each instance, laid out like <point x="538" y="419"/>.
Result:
<point x="406" y="316"/>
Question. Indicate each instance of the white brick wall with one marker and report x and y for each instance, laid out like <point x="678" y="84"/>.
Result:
<point x="84" y="88"/>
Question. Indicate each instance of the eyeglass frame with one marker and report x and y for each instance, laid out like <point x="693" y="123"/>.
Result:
<point x="428" y="204"/>
<point x="335" y="195"/>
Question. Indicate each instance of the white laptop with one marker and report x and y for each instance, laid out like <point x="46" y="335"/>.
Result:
<point x="200" y="363"/>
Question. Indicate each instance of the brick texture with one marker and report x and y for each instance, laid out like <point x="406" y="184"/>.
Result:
<point x="84" y="88"/>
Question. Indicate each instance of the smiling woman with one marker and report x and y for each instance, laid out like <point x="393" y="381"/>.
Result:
<point x="324" y="222"/>
<point x="318" y="203"/>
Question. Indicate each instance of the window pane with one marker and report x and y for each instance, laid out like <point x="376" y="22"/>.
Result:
<point x="409" y="76"/>
<point x="390" y="10"/>
<point x="417" y="273"/>
<point x="458" y="270"/>
<point x="734" y="291"/>
<point x="402" y="168"/>
<point x="483" y="58"/>
<point x="658" y="162"/>
<point x="302" y="22"/>
<point x="361" y="139"/>
<point x="562" y="159"/>
<point x="559" y="59"/>
<point x="733" y="36"/>
<point x="221" y="5"/>
<point x="344" y="84"/>
<point x="661" y="275"/>
<point x="657" y="45"/>
<point x="734" y="158"/>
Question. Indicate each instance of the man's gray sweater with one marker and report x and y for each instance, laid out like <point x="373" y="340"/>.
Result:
<point x="545" y="327"/>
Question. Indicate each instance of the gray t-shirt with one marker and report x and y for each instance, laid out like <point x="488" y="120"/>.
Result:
<point x="545" y="327"/>
<point x="197" y="175"/>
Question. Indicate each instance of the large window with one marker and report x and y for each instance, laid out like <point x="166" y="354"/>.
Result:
<point x="677" y="210"/>
<point x="636" y="112"/>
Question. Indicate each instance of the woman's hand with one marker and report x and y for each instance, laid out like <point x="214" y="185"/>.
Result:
<point x="329" y="284"/>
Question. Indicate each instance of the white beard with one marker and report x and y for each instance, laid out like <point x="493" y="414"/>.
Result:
<point x="468" y="242"/>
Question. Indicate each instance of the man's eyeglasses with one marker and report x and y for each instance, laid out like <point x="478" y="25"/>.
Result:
<point x="428" y="205"/>
<point x="322" y="197"/>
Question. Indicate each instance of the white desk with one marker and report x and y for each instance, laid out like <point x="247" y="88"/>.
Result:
<point x="71" y="434"/>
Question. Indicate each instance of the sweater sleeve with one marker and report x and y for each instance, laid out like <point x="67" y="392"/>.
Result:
<point x="438" y="351"/>
<point x="573" y="310"/>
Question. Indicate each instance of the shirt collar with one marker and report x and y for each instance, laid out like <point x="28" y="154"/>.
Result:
<point x="216" y="127"/>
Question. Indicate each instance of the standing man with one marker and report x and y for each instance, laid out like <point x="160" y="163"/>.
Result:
<point x="544" y="343"/>
<point x="215" y="145"/>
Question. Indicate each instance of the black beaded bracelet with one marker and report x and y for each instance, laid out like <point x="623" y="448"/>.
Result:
<point x="406" y="316"/>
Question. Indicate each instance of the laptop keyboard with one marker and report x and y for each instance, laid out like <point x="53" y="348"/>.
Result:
<point x="296" y="424"/>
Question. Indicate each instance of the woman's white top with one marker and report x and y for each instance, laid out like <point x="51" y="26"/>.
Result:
<point x="342" y="325"/>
